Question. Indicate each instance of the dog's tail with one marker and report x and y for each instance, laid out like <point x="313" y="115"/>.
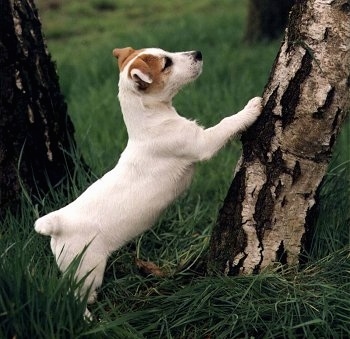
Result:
<point x="49" y="224"/>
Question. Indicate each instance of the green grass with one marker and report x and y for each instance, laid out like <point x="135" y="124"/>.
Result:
<point x="36" y="302"/>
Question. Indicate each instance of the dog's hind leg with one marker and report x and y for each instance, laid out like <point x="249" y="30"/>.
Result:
<point x="91" y="269"/>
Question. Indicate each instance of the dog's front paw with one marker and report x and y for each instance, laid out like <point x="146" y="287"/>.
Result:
<point x="254" y="106"/>
<point x="249" y="114"/>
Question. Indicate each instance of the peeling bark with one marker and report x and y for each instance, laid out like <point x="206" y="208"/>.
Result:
<point x="35" y="129"/>
<point x="268" y="213"/>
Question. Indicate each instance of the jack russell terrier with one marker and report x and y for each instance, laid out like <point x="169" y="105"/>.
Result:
<point x="156" y="166"/>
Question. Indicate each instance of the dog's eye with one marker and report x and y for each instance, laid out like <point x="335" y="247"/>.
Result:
<point x="167" y="63"/>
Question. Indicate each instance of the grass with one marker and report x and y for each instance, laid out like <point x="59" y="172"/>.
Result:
<point x="36" y="302"/>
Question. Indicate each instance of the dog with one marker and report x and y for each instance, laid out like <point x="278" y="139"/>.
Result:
<point x="156" y="166"/>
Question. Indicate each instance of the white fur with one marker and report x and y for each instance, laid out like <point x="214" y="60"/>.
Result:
<point x="156" y="167"/>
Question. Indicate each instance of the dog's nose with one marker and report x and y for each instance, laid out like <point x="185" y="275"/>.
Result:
<point x="197" y="55"/>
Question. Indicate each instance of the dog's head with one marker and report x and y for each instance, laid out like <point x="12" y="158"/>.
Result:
<point x="155" y="72"/>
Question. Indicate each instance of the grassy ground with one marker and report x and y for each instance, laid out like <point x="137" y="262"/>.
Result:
<point x="34" y="302"/>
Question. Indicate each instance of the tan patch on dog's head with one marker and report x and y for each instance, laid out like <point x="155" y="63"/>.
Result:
<point x="144" y="70"/>
<point x="124" y="55"/>
<point x="151" y="67"/>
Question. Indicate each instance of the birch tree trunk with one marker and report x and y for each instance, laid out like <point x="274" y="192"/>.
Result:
<point x="36" y="133"/>
<point x="271" y="205"/>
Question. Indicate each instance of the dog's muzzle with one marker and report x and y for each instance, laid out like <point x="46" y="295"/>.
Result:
<point x="197" y="55"/>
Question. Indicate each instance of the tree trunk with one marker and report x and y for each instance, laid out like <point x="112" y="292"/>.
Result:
<point x="270" y="207"/>
<point x="266" y="19"/>
<point x="36" y="134"/>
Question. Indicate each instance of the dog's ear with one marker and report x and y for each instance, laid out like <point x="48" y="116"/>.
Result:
<point x="122" y="54"/>
<point x="140" y="72"/>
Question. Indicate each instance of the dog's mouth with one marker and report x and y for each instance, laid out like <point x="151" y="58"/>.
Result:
<point x="195" y="59"/>
<point x="196" y="74"/>
<point x="197" y="70"/>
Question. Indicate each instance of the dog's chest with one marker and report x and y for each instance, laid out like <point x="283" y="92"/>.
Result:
<point x="155" y="171"/>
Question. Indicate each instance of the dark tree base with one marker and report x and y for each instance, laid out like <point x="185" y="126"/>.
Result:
<point x="36" y="134"/>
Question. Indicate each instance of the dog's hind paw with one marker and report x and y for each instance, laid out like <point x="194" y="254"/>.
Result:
<point x="88" y="316"/>
<point x="92" y="298"/>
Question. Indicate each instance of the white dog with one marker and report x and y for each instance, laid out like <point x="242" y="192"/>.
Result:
<point x="156" y="166"/>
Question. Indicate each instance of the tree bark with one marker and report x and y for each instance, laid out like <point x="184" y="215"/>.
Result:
<point x="266" y="19"/>
<point x="270" y="208"/>
<point x="36" y="133"/>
